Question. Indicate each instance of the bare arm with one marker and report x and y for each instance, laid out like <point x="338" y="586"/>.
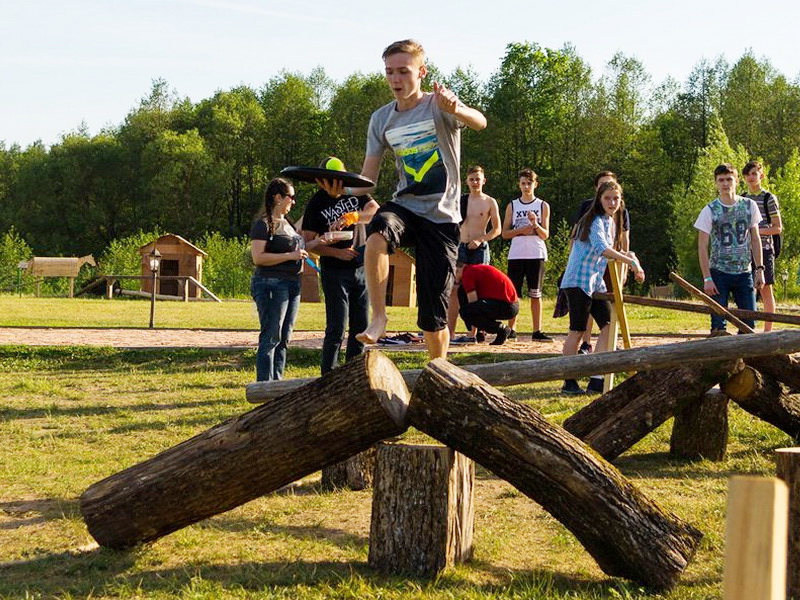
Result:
<point x="628" y="259"/>
<point x="702" y="257"/>
<point x="758" y="258"/>
<point x="774" y="228"/>
<point x="494" y="219"/>
<point x="370" y="169"/>
<point x="542" y="228"/>
<point x="262" y="258"/>
<point x="449" y="102"/>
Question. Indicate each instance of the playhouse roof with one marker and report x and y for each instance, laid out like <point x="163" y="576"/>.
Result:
<point x="172" y="238"/>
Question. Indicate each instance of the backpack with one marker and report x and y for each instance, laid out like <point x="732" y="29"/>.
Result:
<point x="777" y="238"/>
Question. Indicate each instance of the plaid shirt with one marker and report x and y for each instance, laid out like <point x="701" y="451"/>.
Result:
<point x="586" y="263"/>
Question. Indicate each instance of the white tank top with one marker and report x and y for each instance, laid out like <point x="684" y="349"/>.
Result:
<point x="526" y="246"/>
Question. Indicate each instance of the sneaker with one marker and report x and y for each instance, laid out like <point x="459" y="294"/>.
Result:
<point x="539" y="336"/>
<point x="480" y="336"/>
<point x="586" y="348"/>
<point x="463" y="339"/>
<point x="717" y="332"/>
<point x="572" y="388"/>
<point x="501" y="337"/>
<point x="512" y="335"/>
<point x="595" y="385"/>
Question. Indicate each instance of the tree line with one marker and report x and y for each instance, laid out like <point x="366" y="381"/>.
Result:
<point x="200" y="168"/>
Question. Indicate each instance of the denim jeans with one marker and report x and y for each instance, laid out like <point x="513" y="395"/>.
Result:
<point x="744" y="294"/>
<point x="345" y="306"/>
<point x="277" y="301"/>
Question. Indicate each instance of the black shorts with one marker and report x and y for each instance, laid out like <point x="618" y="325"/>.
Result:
<point x="435" y="246"/>
<point x="532" y="269"/>
<point x="581" y="306"/>
<point x="769" y="266"/>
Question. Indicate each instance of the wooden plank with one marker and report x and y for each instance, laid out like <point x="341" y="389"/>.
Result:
<point x="787" y="462"/>
<point x="755" y="539"/>
<point x="583" y="365"/>
<point x="711" y="303"/>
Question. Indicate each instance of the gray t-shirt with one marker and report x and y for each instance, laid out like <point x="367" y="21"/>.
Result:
<point x="772" y="212"/>
<point x="426" y="145"/>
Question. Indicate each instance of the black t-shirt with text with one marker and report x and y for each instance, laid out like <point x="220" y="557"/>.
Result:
<point x="322" y="211"/>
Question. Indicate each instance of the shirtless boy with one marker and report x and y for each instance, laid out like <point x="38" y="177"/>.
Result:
<point x="423" y="130"/>
<point x="478" y="211"/>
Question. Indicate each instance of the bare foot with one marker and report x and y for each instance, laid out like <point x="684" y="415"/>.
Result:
<point x="374" y="330"/>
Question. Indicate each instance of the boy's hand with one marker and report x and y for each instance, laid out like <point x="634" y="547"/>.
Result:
<point x="334" y="188"/>
<point x="709" y="288"/>
<point x="758" y="279"/>
<point x="446" y="99"/>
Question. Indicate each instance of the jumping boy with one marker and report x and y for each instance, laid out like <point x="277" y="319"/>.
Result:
<point x="478" y="211"/>
<point x="771" y="224"/>
<point x="527" y="225"/>
<point x="729" y="223"/>
<point x="423" y="130"/>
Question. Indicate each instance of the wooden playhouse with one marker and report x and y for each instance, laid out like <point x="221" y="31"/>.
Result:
<point x="179" y="259"/>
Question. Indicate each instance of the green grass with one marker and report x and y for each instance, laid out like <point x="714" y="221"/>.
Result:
<point x="71" y="416"/>
<point x="80" y="312"/>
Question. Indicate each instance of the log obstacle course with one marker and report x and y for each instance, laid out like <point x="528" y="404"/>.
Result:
<point x="333" y="418"/>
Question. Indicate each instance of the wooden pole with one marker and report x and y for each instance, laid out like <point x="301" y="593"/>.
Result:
<point x="342" y="413"/>
<point x="626" y="533"/>
<point x="619" y="320"/>
<point x="711" y="303"/>
<point x="787" y="462"/>
<point x="572" y="367"/>
<point x="756" y="315"/>
<point x="755" y="539"/>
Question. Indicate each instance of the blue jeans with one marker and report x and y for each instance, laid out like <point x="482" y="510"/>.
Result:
<point x="345" y="306"/>
<point x="277" y="301"/>
<point x="741" y="284"/>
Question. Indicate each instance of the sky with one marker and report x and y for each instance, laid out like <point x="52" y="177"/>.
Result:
<point x="72" y="64"/>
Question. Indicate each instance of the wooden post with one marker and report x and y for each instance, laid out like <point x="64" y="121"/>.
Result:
<point x="422" y="509"/>
<point x="71" y="287"/>
<point x="755" y="539"/>
<point x="185" y="290"/>
<point x="619" y="319"/>
<point x="344" y="412"/>
<point x="355" y="473"/>
<point x="626" y="533"/>
<point x="788" y="469"/>
<point x="571" y="367"/>
<point x="700" y="428"/>
<point x="110" y="281"/>
<point x="711" y="303"/>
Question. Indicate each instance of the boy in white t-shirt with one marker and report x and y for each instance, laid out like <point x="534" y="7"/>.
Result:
<point x="729" y="225"/>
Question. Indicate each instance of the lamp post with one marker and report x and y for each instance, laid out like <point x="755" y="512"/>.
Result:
<point x="155" y="264"/>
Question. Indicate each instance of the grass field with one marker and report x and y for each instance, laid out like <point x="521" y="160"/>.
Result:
<point x="78" y="312"/>
<point x="71" y="416"/>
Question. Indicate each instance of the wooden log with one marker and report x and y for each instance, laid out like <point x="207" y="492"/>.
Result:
<point x="700" y="429"/>
<point x="782" y="367"/>
<point x="618" y="419"/>
<point x="715" y="306"/>
<point x="765" y="397"/>
<point x="583" y="365"/>
<point x="694" y="307"/>
<point x="342" y="413"/>
<point x="787" y="462"/>
<point x="626" y="533"/>
<point x="755" y="539"/>
<point x="422" y="509"/>
<point x="354" y="473"/>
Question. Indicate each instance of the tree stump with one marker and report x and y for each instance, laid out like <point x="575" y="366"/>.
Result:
<point x="355" y="473"/>
<point x="700" y="429"/>
<point x="767" y="398"/>
<point x="626" y="533"/>
<point x="339" y="415"/>
<point x="787" y="462"/>
<point x="422" y="509"/>
<point x="618" y="419"/>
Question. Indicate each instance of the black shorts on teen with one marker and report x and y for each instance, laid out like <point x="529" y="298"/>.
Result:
<point x="435" y="247"/>
<point x="581" y="306"/>
<point x="532" y="269"/>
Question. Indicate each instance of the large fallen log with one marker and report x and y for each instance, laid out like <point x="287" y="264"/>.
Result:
<point x="626" y="533"/>
<point x="767" y="398"/>
<point x="782" y="367"/>
<point x="582" y="365"/>
<point x="618" y="419"/>
<point x="339" y="415"/>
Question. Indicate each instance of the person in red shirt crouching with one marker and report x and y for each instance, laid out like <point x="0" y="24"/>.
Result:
<point x="487" y="296"/>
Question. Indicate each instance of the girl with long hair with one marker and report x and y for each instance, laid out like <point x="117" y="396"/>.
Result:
<point x="595" y="239"/>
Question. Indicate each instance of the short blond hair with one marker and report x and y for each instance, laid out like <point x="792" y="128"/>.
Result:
<point x="412" y="47"/>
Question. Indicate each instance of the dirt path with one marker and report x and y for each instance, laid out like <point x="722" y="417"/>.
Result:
<point x="213" y="338"/>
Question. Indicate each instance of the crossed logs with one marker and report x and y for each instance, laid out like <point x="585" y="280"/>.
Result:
<point x="365" y="401"/>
